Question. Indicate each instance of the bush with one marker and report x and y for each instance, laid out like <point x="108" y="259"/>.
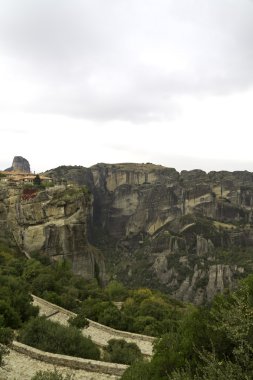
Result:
<point x="119" y="351"/>
<point x="116" y="291"/>
<point x="154" y="307"/>
<point x="15" y="302"/>
<point x="52" y="337"/>
<point x="3" y="351"/>
<point x="10" y="316"/>
<point x="138" y="371"/>
<point x="112" y="317"/>
<point x="43" y="282"/>
<point x="48" y="375"/>
<point x="146" y="325"/>
<point x="79" y="321"/>
<point x="6" y="337"/>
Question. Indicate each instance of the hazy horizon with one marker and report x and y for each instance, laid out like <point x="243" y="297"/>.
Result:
<point x="179" y="169"/>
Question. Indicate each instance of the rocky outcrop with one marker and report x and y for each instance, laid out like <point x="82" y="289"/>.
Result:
<point x="203" y="285"/>
<point x="204" y="246"/>
<point x="20" y="164"/>
<point x="141" y="198"/>
<point x="53" y="222"/>
<point x="128" y="198"/>
<point x="169" y="230"/>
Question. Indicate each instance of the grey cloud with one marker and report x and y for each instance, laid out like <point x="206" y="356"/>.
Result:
<point x="114" y="59"/>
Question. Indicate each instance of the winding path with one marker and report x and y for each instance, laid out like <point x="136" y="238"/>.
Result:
<point x="19" y="365"/>
<point x="99" y="334"/>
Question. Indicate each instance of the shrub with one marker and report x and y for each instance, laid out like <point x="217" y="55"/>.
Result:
<point x="6" y="337"/>
<point x="79" y="321"/>
<point x="119" y="351"/>
<point x="116" y="291"/>
<point x="138" y="371"/>
<point x="15" y="301"/>
<point x="3" y="351"/>
<point x="146" y="325"/>
<point x="53" y="337"/>
<point x="112" y="317"/>
<point x="43" y="282"/>
<point x="48" y="375"/>
<point x="10" y="316"/>
<point x="154" y="307"/>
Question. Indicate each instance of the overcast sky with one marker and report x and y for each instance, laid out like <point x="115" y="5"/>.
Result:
<point x="162" y="81"/>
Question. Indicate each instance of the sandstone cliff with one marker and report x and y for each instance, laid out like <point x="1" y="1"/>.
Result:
<point x="53" y="222"/>
<point x="207" y="216"/>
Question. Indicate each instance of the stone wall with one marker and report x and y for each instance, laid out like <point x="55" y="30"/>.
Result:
<point x="120" y="333"/>
<point x="70" y="362"/>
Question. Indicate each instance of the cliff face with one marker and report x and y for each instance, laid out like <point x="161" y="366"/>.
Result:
<point x="208" y="218"/>
<point x="53" y="222"/>
<point x="133" y="198"/>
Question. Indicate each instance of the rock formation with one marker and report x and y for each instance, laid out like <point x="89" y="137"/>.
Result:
<point x="187" y="233"/>
<point x="53" y="222"/>
<point x="20" y="164"/>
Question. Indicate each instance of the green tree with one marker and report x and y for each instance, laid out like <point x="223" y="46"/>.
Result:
<point x="120" y="351"/>
<point x="37" y="180"/>
<point x="138" y="371"/>
<point x="116" y="291"/>
<point x="79" y="321"/>
<point x="6" y="337"/>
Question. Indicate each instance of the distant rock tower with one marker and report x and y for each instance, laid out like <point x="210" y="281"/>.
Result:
<point x="20" y="164"/>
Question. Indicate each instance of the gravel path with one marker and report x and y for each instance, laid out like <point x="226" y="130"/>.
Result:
<point x="98" y="336"/>
<point x="21" y="367"/>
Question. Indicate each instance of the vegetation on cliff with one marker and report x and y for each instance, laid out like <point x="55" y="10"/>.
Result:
<point x="208" y="343"/>
<point x="142" y="310"/>
<point x="20" y="277"/>
<point x="15" y="300"/>
<point x="194" y="343"/>
<point x="70" y="194"/>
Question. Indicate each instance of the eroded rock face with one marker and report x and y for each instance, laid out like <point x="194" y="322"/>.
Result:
<point x="204" y="246"/>
<point x="141" y="198"/>
<point x="20" y="164"/>
<point x="203" y="285"/>
<point x="133" y="198"/>
<point x="53" y="222"/>
<point x="201" y="213"/>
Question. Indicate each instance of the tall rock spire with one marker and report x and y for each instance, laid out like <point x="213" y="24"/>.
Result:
<point x="20" y="164"/>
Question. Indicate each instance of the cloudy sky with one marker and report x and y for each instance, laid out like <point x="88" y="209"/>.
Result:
<point x="162" y="81"/>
